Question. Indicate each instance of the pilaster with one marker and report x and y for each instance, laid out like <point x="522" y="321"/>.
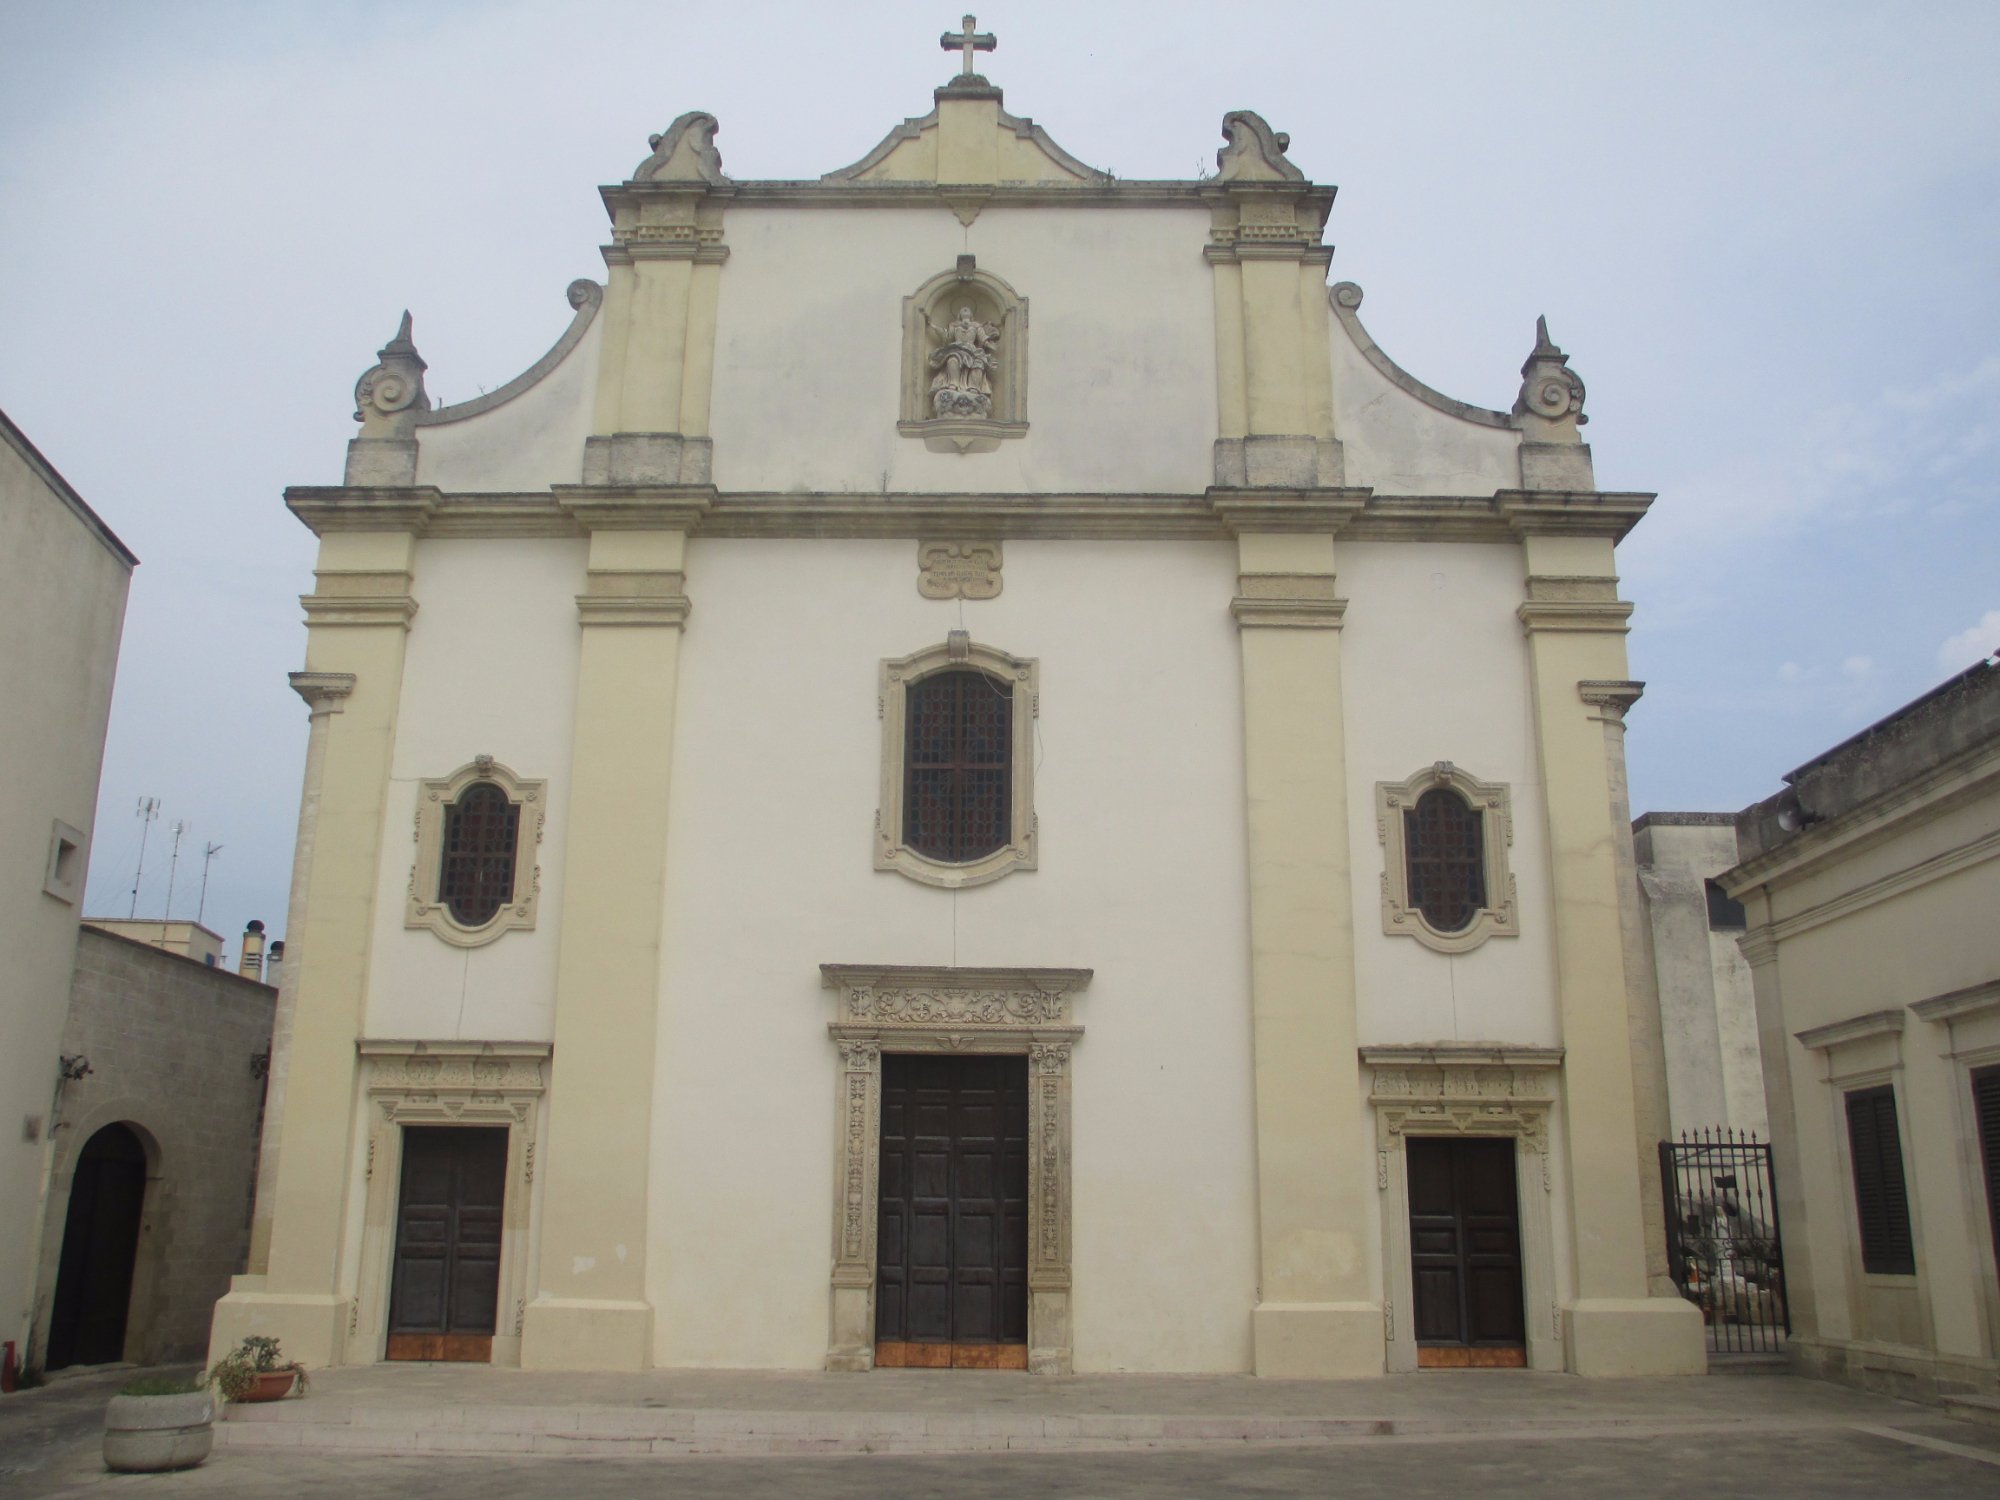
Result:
<point x="1575" y="626"/>
<point x="1317" y="1314"/>
<point x="358" y="622"/>
<point x="590" y="1309"/>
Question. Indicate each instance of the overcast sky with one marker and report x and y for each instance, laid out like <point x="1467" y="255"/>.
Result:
<point x="1767" y="234"/>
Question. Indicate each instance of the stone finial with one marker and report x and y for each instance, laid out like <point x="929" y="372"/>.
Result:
<point x="1550" y="406"/>
<point x="388" y="396"/>
<point x="1255" y="153"/>
<point x="685" y="152"/>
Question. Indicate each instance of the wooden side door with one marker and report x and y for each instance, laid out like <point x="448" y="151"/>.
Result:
<point x="1465" y="1252"/>
<point x="445" y="1290"/>
<point x="952" y="1234"/>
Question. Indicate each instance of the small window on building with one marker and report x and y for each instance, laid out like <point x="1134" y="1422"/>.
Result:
<point x="957" y="764"/>
<point x="1723" y="912"/>
<point x="1445" y="877"/>
<point x="62" y="876"/>
<point x="1880" y="1200"/>
<point x="476" y="833"/>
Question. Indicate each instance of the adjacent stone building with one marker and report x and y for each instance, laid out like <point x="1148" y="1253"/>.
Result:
<point x="966" y="772"/>
<point x="63" y="580"/>
<point x="1870" y="886"/>
<point x="154" y="1156"/>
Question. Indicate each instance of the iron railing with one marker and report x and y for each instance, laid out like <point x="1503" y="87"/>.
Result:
<point x="1724" y="1249"/>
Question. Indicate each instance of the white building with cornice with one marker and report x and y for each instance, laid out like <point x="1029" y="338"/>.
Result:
<point x="965" y="773"/>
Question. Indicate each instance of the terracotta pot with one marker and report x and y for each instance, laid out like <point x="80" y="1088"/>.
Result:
<point x="150" y="1434"/>
<point x="272" y="1385"/>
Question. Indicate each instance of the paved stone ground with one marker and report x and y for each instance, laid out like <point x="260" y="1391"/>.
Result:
<point x="1790" y="1438"/>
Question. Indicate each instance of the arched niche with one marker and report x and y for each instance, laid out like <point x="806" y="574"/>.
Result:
<point x="965" y="361"/>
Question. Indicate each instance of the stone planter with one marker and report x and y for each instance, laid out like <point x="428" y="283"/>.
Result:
<point x="148" y="1434"/>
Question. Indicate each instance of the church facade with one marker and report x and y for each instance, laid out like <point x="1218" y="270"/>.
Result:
<point x="965" y="773"/>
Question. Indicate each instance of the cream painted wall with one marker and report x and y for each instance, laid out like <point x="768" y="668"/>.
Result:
<point x="1434" y="668"/>
<point x="1400" y="446"/>
<point x="1121" y="380"/>
<point x="491" y="669"/>
<point x="529" y="443"/>
<point x="62" y="608"/>
<point x="1141" y="878"/>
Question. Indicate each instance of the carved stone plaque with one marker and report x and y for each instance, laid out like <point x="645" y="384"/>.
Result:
<point x="958" y="570"/>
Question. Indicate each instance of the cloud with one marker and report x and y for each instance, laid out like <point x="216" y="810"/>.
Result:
<point x="1968" y="646"/>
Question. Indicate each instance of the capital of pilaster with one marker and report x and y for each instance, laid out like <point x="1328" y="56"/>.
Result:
<point x="1610" y="698"/>
<point x="1279" y="510"/>
<point x="1600" y="513"/>
<point x="324" y="692"/>
<point x="635" y="507"/>
<point x="330" y="508"/>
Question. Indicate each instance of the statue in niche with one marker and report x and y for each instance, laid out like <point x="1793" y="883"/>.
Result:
<point x="968" y="350"/>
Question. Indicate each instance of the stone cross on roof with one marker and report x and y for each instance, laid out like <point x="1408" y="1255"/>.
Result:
<point x="968" y="41"/>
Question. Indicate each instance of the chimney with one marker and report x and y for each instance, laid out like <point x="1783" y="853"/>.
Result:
<point x="274" y="963"/>
<point x="251" y="964"/>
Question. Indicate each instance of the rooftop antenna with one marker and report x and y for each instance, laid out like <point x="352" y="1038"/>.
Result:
<point x="207" y="859"/>
<point x="173" y="863"/>
<point x="149" y="809"/>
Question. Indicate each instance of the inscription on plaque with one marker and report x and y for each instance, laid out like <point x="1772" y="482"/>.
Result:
<point x="958" y="570"/>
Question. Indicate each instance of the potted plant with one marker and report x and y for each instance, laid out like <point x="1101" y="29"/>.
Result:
<point x="157" y="1423"/>
<point x="255" y="1371"/>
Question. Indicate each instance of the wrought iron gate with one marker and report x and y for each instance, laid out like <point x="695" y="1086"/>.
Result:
<point x="1723" y="1246"/>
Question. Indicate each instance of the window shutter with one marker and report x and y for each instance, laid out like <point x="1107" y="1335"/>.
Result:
<point x="1880" y="1198"/>
<point x="1986" y="1106"/>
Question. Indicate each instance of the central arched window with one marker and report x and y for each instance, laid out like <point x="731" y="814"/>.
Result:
<point x="475" y="874"/>
<point x="958" y="766"/>
<point x="476" y="871"/>
<point x="1445" y="880"/>
<point x="1446" y="849"/>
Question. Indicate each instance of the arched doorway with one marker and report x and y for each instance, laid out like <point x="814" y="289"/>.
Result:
<point x="100" y="1244"/>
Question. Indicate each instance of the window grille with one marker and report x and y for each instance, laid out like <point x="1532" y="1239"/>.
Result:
<point x="476" y="872"/>
<point x="958" y="766"/>
<point x="1880" y="1199"/>
<point x="1445" y="840"/>
<point x="1986" y="1110"/>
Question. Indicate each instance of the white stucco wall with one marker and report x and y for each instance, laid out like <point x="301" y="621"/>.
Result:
<point x="62" y="608"/>
<point x="1434" y="667"/>
<point x="1121" y="379"/>
<point x="490" y="669"/>
<point x="1139" y="794"/>
<point x="528" y="443"/>
<point x="1395" y="443"/>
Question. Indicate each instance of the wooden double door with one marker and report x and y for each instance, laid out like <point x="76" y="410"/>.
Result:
<point x="445" y="1290"/>
<point x="1465" y="1253"/>
<point x="951" y="1287"/>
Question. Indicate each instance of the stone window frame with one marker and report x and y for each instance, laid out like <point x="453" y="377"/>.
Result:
<point x="1461" y="1090"/>
<point x="938" y="1010"/>
<point x="422" y="909"/>
<point x="1010" y="382"/>
<point x="1969" y="1019"/>
<point x="1500" y="917"/>
<point x="410" y="1082"/>
<point x="1863" y="1052"/>
<point x="896" y="675"/>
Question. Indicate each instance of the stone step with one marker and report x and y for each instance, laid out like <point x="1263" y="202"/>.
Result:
<point x="609" y="1431"/>
<point x="1969" y="1408"/>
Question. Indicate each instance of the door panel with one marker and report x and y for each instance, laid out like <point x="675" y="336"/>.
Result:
<point x="952" y="1238"/>
<point x="1465" y="1245"/>
<point x="444" y="1295"/>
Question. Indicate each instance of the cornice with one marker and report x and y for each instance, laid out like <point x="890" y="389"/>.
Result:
<point x="1854" y="1029"/>
<point x="1606" y="513"/>
<point x="1355" y="513"/>
<point x="1958" y="1005"/>
<point x="1462" y="1055"/>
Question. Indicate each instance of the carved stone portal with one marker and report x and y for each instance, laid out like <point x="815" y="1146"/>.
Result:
<point x="1025" y="1012"/>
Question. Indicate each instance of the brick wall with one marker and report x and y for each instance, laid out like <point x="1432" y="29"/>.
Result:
<point x="173" y="1048"/>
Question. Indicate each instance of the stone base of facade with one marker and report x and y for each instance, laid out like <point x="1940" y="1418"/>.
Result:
<point x="586" y="1334"/>
<point x="1895" y="1370"/>
<point x="310" y="1328"/>
<point x="1628" y="1336"/>
<point x="1317" y="1340"/>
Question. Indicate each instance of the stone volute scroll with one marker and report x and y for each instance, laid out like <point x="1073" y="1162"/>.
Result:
<point x="1548" y="412"/>
<point x="684" y="152"/>
<point x="1255" y="152"/>
<point x="965" y="361"/>
<point x="387" y="401"/>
